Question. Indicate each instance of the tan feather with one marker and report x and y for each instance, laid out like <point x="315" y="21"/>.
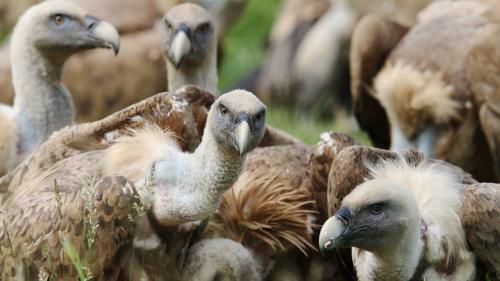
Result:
<point x="261" y="207"/>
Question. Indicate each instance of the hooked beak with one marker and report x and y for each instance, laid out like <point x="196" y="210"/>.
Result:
<point x="242" y="137"/>
<point x="334" y="231"/>
<point x="180" y="47"/>
<point x="104" y="33"/>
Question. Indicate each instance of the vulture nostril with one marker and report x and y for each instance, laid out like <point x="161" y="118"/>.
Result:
<point x="344" y="215"/>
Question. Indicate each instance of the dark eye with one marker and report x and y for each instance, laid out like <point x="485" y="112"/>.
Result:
<point x="168" y="24"/>
<point x="260" y="116"/>
<point x="204" y="27"/>
<point x="223" y="111"/>
<point x="59" y="19"/>
<point x="376" y="209"/>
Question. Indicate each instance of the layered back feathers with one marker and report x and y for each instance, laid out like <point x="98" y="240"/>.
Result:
<point x="438" y="193"/>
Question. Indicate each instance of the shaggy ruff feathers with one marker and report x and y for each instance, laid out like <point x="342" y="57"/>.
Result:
<point x="260" y="207"/>
<point x="131" y="156"/>
<point x="402" y="89"/>
<point x="438" y="194"/>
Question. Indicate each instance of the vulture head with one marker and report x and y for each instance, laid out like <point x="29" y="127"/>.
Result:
<point x="372" y="217"/>
<point x="189" y="35"/>
<point x="236" y="120"/>
<point x="58" y="29"/>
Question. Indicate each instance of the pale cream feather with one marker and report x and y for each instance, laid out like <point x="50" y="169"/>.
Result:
<point x="402" y="88"/>
<point x="132" y="156"/>
<point x="8" y="140"/>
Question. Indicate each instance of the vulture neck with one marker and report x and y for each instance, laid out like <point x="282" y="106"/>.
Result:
<point x="201" y="178"/>
<point x="42" y="104"/>
<point x="204" y="76"/>
<point x="398" y="261"/>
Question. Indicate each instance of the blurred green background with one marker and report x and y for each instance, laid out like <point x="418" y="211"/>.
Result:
<point x="244" y="50"/>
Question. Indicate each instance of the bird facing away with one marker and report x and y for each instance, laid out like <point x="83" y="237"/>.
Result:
<point x="44" y="37"/>
<point x="403" y="224"/>
<point x="440" y="101"/>
<point x="190" y="47"/>
<point x="181" y="187"/>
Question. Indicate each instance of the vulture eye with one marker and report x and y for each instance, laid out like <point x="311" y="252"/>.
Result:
<point x="168" y="24"/>
<point x="223" y="111"/>
<point x="260" y="116"/>
<point x="376" y="209"/>
<point x="204" y="27"/>
<point x="59" y="19"/>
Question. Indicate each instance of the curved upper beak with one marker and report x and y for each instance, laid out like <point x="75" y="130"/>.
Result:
<point x="242" y="137"/>
<point x="334" y="230"/>
<point x="104" y="33"/>
<point x="181" y="46"/>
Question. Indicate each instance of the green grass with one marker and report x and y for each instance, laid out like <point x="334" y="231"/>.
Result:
<point x="244" y="50"/>
<point x="244" y="43"/>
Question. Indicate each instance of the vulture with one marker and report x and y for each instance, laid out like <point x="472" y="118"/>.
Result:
<point x="432" y="87"/>
<point x="274" y="210"/>
<point x="308" y="56"/>
<point x="96" y="172"/>
<point x="426" y="218"/>
<point x="44" y="38"/>
<point x="190" y="47"/>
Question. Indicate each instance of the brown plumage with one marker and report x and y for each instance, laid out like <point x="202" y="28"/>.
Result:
<point x="479" y="200"/>
<point x="276" y="205"/>
<point x="435" y="101"/>
<point x="177" y="112"/>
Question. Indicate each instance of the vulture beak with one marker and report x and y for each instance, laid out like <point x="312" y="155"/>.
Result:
<point x="334" y="230"/>
<point x="242" y="137"/>
<point x="104" y="33"/>
<point x="181" y="46"/>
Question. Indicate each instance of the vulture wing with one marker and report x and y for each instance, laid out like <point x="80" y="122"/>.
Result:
<point x="481" y="221"/>
<point x="182" y="112"/>
<point x="484" y="75"/>
<point x="372" y="41"/>
<point x="320" y="162"/>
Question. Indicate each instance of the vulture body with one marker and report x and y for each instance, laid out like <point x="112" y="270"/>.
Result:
<point x="65" y="167"/>
<point x="45" y="36"/>
<point x="438" y="101"/>
<point x="475" y="210"/>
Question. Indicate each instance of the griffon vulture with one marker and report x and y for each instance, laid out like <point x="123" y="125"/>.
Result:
<point x="176" y="188"/>
<point x="432" y="87"/>
<point x="44" y="38"/>
<point x="389" y="177"/>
